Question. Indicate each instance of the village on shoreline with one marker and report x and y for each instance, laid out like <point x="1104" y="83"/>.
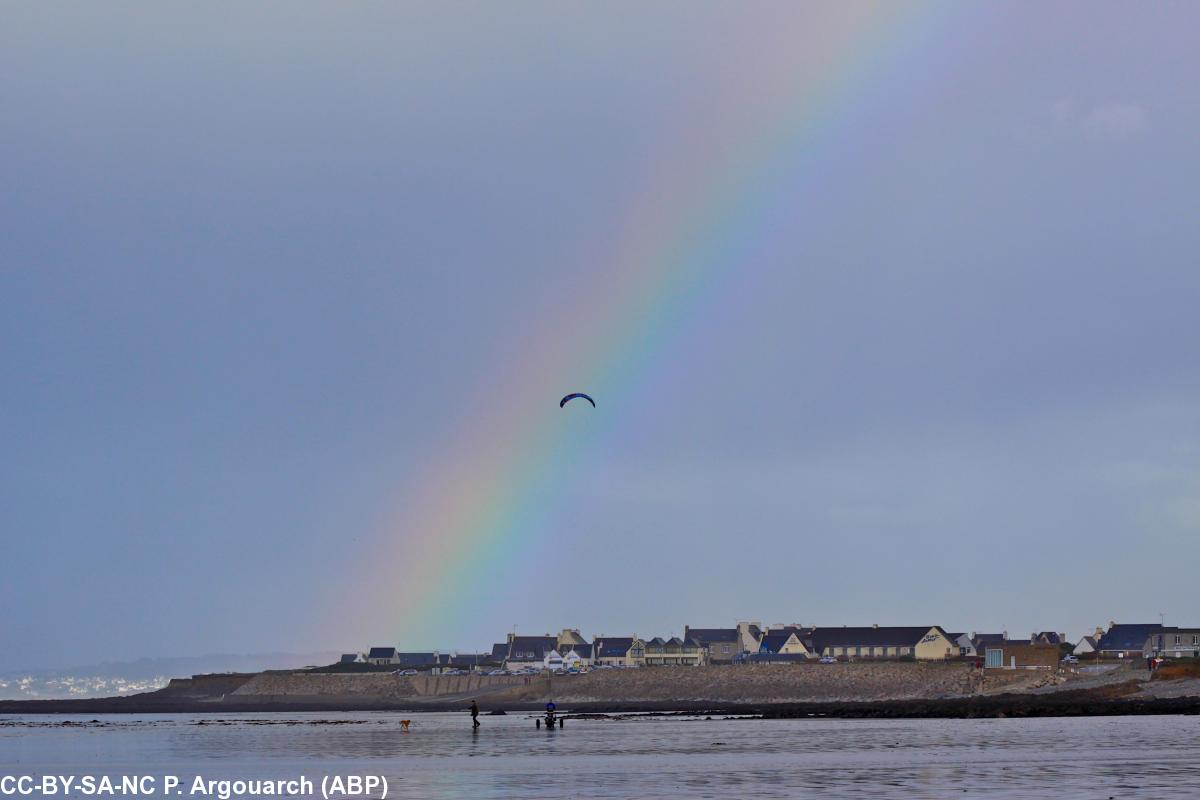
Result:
<point x="752" y="643"/>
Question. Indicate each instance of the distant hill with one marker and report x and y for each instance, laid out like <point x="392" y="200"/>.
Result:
<point x="145" y="674"/>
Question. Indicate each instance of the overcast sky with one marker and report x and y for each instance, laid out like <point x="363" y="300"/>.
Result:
<point x="257" y="264"/>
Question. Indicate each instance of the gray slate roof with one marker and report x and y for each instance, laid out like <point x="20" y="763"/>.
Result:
<point x="707" y="635"/>
<point x="872" y="637"/>
<point x="612" y="646"/>
<point x="535" y="647"/>
<point x="416" y="659"/>
<point x="984" y="639"/>
<point x="382" y="652"/>
<point x="1127" y="637"/>
<point x="773" y="641"/>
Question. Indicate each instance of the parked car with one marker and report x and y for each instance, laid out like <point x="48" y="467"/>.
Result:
<point x="827" y="660"/>
<point x="409" y="672"/>
<point x="1067" y="660"/>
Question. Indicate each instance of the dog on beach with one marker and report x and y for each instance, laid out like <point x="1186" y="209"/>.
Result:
<point x="404" y="724"/>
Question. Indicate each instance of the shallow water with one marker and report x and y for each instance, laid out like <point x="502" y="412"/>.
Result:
<point x="440" y="756"/>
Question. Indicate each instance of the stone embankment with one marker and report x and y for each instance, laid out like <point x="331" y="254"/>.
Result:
<point x="859" y="681"/>
<point x="651" y="686"/>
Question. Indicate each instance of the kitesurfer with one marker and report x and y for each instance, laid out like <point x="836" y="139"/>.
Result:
<point x="574" y="395"/>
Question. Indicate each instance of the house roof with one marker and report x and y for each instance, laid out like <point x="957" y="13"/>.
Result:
<point x="416" y="659"/>
<point x="1127" y="637"/>
<point x="381" y="652"/>
<point x="581" y="650"/>
<point x="525" y="647"/>
<point x="348" y="658"/>
<point x="1049" y="637"/>
<point x="613" y="647"/>
<point x="474" y="659"/>
<point x="1091" y="641"/>
<point x="872" y="636"/>
<point x="704" y="636"/>
<point x="774" y="640"/>
<point x="657" y="641"/>
<point x="988" y="638"/>
<point x="499" y="651"/>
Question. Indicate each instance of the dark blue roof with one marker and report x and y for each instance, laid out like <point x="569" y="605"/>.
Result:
<point x="774" y="640"/>
<point x="416" y="659"/>
<point x="349" y="658"/>
<point x="464" y="659"/>
<point x="981" y="639"/>
<point x="381" y="652"/>
<point x="873" y="637"/>
<point x="1127" y="637"/>
<point x="531" y="647"/>
<point x="613" y="647"/>
<point x="705" y="635"/>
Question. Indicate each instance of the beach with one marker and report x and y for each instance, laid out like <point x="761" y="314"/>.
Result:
<point x="637" y="756"/>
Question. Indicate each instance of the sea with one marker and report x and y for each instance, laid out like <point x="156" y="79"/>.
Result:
<point x="442" y="756"/>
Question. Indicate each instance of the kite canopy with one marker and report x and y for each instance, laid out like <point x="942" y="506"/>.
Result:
<point x="572" y="396"/>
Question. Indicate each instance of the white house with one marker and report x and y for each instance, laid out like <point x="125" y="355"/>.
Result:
<point x="383" y="655"/>
<point x="1086" y="645"/>
<point x="569" y="660"/>
<point x="965" y="644"/>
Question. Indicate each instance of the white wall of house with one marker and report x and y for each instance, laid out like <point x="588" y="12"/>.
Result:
<point x="748" y="642"/>
<point x="934" y="645"/>
<point x="793" y="646"/>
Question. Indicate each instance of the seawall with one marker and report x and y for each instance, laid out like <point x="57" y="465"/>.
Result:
<point x="855" y="689"/>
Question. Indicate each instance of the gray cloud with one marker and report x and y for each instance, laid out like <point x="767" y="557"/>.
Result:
<point x="1114" y="122"/>
<point x="1065" y="120"/>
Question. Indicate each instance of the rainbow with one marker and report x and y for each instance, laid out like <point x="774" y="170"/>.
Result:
<point x="471" y="514"/>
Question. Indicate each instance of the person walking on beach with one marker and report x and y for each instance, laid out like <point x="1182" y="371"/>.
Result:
<point x="474" y="714"/>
